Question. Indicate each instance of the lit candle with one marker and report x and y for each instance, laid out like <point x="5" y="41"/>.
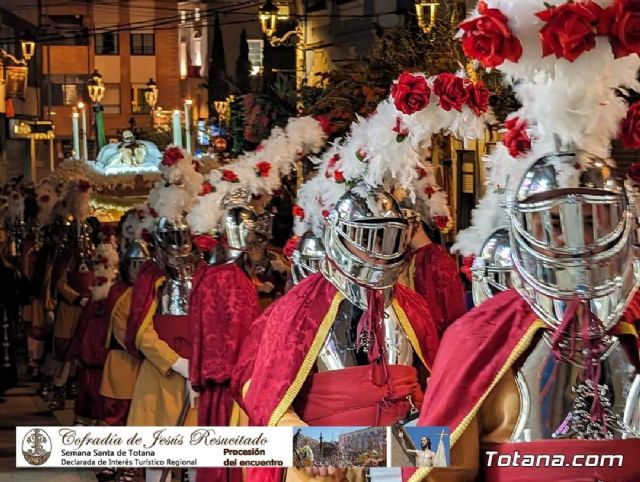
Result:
<point x="76" y="135"/>
<point x="177" y="128"/>
<point x="83" y="132"/>
<point x="187" y="124"/>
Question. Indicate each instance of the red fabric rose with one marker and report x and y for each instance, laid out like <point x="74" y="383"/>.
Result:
<point x="153" y="212"/>
<point x="205" y="242"/>
<point x="44" y="198"/>
<point x="421" y="172"/>
<point x="451" y="90"/>
<point x="324" y="123"/>
<point x="228" y="175"/>
<point x="621" y="22"/>
<point x="516" y="139"/>
<point x="478" y="97"/>
<point x="263" y="168"/>
<point x="171" y="156"/>
<point x="196" y="165"/>
<point x="290" y="246"/>
<point x="338" y="176"/>
<point x="410" y="93"/>
<point x="206" y="188"/>
<point x="429" y="191"/>
<point x="332" y="163"/>
<point x="633" y="172"/>
<point x="570" y="29"/>
<point x="297" y="211"/>
<point x="100" y="280"/>
<point x="467" y="262"/>
<point x="325" y="213"/>
<point x="489" y="39"/>
<point x="630" y="129"/>
<point x="442" y="222"/>
<point x="84" y="186"/>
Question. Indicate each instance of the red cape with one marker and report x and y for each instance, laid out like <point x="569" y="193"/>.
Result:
<point x="475" y="353"/>
<point x="143" y="302"/>
<point x="88" y="343"/>
<point x="297" y="325"/>
<point x="433" y="273"/>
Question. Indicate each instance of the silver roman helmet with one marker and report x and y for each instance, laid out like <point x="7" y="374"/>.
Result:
<point x="365" y="239"/>
<point x="174" y="238"/>
<point x="239" y="219"/>
<point x="572" y="235"/>
<point x="491" y="270"/>
<point x="306" y="258"/>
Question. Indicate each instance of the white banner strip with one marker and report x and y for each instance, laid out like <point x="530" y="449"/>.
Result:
<point x="154" y="447"/>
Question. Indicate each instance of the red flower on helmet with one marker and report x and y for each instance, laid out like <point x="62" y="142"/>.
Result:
<point x="229" y="175"/>
<point x="297" y="211"/>
<point x="325" y="213"/>
<point x="206" y="188"/>
<point x="429" y="190"/>
<point x="263" y="168"/>
<point x="410" y="93"/>
<point x="478" y="97"/>
<point x="205" y="242"/>
<point x="516" y="139"/>
<point x="401" y="132"/>
<point x="290" y="246"/>
<point x="171" y="156"/>
<point x="489" y="39"/>
<point x="338" y="176"/>
<point x="442" y="222"/>
<point x="630" y="128"/>
<point x="570" y="29"/>
<point x="421" y="172"/>
<point x="621" y="22"/>
<point x="325" y="124"/>
<point x="451" y="90"/>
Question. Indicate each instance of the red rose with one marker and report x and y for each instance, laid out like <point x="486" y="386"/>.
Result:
<point x="516" y="139"/>
<point x="570" y="29"/>
<point x="196" y="165"/>
<point x="153" y="212"/>
<point x="334" y="160"/>
<point x="205" y="242"/>
<point x="171" y="156"/>
<point x="622" y="21"/>
<point x="421" y="172"/>
<point x="84" y="186"/>
<point x="325" y="213"/>
<point x="478" y="97"/>
<point x="263" y="168"/>
<point x="633" y="172"/>
<point x="451" y="90"/>
<point x="467" y="262"/>
<point x="410" y="93"/>
<point x="441" y="222"/>
<point x="290" y="246"/>
<point x="44" y="198"/>
<point x="630" y="129"/>
<point x="228" y="175"/>
<point x="324" y="123"/>
<point x="429" y="190"/>
<point x="338" y="176"/>
<point x="489" y="39"/>
<point x="100" y="280"/>
<point x="207" y="188"/>
<point x="297" y="211"/>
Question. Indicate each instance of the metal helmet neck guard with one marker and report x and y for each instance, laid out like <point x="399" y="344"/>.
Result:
<point x="306" y="258"/>
<point x="136" y="254"/>
<point x="572" y="234"/>
<point x="365" y="239"/>
<point x="491" y="270"/>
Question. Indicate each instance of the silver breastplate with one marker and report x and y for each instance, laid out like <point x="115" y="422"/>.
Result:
<point x="175" y="297"/>
<point x="545" y="386"/>
<point x="339" y="349"/>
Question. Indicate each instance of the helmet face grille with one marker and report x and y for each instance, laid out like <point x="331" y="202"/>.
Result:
<point x="382" y="239"/>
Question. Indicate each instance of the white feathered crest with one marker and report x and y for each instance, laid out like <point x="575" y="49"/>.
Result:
<point x="105" y="267"/>
<point x="390" y="147"/>
<point x="259" y="171"/>
<point x="568" y="97"/>
<point x="175" y="193"/>
<point x="46" y="197"/>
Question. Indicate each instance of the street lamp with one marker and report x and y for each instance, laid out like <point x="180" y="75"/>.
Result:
<point x="96" y="89"/>
<point x="268" y="15"/>
<point x="151" y="97"/>
<point x="28" y="45"/>
<point x="422" y="7"/>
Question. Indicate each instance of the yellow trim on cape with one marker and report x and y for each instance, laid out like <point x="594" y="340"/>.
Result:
<point x="148" y="317"/>
<point x="116" y="305"/>
<point x="308" y="362"/>
<point x="519" y="349"/>
<point x="408" y="329"/>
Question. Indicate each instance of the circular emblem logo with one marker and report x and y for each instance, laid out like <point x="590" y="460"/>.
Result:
<point x="36" y="446"/>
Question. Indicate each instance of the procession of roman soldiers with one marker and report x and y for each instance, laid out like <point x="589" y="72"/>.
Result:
<point x="188" y="312"/>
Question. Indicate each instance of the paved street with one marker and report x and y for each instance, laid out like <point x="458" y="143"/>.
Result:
<point x="24" y="407"/>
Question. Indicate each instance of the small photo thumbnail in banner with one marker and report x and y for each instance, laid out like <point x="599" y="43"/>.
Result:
<point x="340" y="447"/>
<point x="420" y="447"/>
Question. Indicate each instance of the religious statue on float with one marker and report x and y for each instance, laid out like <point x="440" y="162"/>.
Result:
<point x="129" y="155"/>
